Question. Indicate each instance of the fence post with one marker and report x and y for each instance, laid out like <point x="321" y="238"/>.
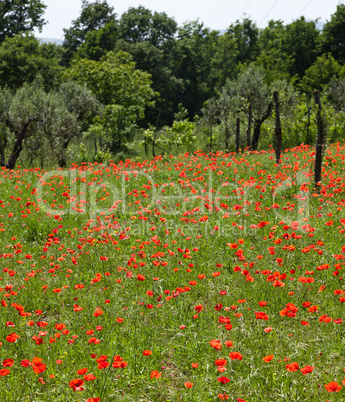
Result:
<point x="278" y="127"/>
<point x="320" y="141"/>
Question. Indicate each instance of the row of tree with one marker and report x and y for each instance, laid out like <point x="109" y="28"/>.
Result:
<point x="137" y="69"/>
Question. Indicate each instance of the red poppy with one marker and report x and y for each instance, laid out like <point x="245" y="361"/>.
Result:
<point x="333" y="386"/>
<point x="216" y="344"/>
<point x="235" y="356"/>
<point x="8" y="362"/>
<point x="77" y="384"/>
<point x="268" y="358"/>
<point x="223" y="380"/>
<point x="307" y="369"/>
<point x="188" y="384"/>
<point x="155" y="374"/>
<point x="292" y="367"/>
<point x="4" y="372"/>
<point x="89" y="377"/>
<point x="12" y="338"/>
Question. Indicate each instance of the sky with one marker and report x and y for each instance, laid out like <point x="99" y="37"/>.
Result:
<point x="215" y="14"/>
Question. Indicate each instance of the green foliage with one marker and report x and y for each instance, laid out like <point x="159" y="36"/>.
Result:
<point x="320" y="74"/>
<point x="333" y="35"/>
<point x="37" y="121"/>
<point x="115" y="80"/>
<point x="22" y="58"/>
<point x="19" y="16"/>
<point x="93" y="17"/>
<point x="116" y="126"/>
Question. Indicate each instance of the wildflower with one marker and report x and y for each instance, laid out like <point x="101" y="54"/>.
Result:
<point x="77" y="384"/>
<point x="307" y="369"/>
<point x="235" y="356"/>
<point x="155" y="374"/>
<point x="333" y="386"/>
<point x="223" y="380"/>
<point x="292" y="367"/>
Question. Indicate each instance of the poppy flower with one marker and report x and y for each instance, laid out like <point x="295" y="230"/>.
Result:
<point x="292" y="367"/>
<point x="77" y="384"/>
<point x="333" y="386"/>
<point x="307" y="369"/>
<point x="147" y="352"/>
<point x="268" y="358"/>
<point x="12" y="338"/>
<point x="195" y="365"/>
<point x="82" y="371"/>
<point x="155" y="374"/>
<point x="216" y="344"/>
<point x="188" y="384"/>
<point x="235" y="356"/>
<point x="89" y="377"/>
<point x="228" y="344"/>
<point x="4" y="372"/>
<point x="223" y="397"/>
<point x="8" y="362"/>
<point x="220" y="362"/>
<point x="223" y="380"/>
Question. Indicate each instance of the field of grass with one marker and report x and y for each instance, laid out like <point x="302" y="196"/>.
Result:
<point x="191" y="278"/>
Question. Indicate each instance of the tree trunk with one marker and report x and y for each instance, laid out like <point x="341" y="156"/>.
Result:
<point x="249" y="127"/>
<point x="95" y="145"/>
<point x="278" y="127"/>
<point x="237" y="134"/>
<point x="226" y="134"/>
<point x="258" y="124"/>
<point x="155" y="136"/>
<point x="62" y="158"/>
<point x="18" y="146"/>
<point x="320" y="141"/>
<point x="210" y="138"/>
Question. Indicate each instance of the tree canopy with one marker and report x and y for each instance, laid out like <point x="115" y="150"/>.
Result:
<point x="17" y="16"/>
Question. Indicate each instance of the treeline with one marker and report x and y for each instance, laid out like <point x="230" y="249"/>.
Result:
<point x="117" y="78"/>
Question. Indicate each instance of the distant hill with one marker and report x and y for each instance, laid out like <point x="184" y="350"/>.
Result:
<point x="51" y="40"/>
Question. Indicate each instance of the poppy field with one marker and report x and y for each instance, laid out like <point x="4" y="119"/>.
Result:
<point x="200" y="277"/>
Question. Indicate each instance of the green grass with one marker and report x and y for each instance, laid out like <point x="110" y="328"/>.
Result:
<point x="210" y="236"/>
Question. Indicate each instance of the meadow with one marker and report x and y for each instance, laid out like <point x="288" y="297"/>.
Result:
<point x="200" y="277"/>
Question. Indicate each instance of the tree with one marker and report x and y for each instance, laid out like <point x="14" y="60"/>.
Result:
<point x="98" y="43"/>
<point x="254" y="91"/>
<point x="23" y="58"/>
<point x="228" y="104"/>
<point x="192" y="64"/>
<point x="301" y="42"/>
<point x="142" y="25"/>
<point x="246" y="35"/>
<point x="273" y="57"/>
<point x="93" y="17"/>
<point x="70" y="113"/>
<point x="333" y="35"/>
<point x="114" y="80"/>
<point x="18" y="16"/>
<point x="33" y="118"/>
<point x="320" y="74"/>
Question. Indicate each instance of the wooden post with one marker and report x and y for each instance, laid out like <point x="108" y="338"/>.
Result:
<point x="238" y="122"/>
<point x="278" y="127"/>
<point x="320" y="141"/>
<point x="249" y="127"/>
